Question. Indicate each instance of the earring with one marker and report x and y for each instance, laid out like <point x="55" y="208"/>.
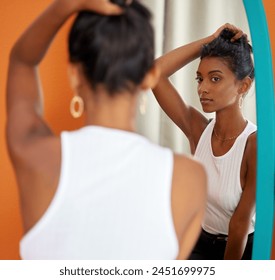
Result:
<point x="241" y="102"/>
<point x="77" y="101"/>
<point x="143" y="103"/>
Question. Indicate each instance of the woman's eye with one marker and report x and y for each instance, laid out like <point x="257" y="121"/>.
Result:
<point x="215" y="79"/>
<point x="199" y="79"/>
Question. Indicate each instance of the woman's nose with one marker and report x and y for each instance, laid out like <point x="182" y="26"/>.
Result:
<point x="202" y="90"/>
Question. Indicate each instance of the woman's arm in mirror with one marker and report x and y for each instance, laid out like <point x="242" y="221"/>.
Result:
<point x="186" y="117"/>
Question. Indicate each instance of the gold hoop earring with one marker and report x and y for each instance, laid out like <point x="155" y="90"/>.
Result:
<point x="76" y="101"/>
<point x="241" y="102"/>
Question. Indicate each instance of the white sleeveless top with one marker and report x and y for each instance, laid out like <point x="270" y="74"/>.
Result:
<point x="113" y="201"/>
<point x="224" y="185"/>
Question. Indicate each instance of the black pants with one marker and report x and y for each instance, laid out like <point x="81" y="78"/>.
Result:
<point x="212" y="247"/>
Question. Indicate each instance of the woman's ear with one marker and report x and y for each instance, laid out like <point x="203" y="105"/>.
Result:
<point x="151" y="78"/>
<point x="74" y="76"/>
<point x="245" y="85"/>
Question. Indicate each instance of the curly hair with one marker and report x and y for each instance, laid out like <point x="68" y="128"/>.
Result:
<point x="237" y="54"/>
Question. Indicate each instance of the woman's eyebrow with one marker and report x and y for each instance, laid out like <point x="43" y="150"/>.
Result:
<point x="210" y="72"/>
<point x="214" y="71"/>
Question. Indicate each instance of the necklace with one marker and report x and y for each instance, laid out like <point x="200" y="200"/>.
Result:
<point x="229" y="138"/>
<point x="224" y="139"/>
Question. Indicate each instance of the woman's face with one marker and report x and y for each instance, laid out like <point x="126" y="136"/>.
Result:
<point x="217" y="85"/>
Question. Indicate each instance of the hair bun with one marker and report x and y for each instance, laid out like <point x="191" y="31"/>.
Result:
<point x="227" y="34"/>
<point x="236" y="54"/>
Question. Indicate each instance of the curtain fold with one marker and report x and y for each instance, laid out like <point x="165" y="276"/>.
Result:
<point x="179" y="22"/>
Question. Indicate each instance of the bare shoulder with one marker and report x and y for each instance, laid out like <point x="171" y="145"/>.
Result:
<point x="251" y="148"/>
<point x="189" y="174"/>
<point x="252" y="142"/>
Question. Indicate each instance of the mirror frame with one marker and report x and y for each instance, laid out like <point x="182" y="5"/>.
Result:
<point x="265" y="189"/>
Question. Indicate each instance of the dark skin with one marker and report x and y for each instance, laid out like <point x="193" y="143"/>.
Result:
<point x="36" y="152"/>
<point x="27" y="132"/>
<point x="219" y="91"/>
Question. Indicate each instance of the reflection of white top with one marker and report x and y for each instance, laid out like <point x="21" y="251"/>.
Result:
<point x="224" y="186"/>
<point x="113" y="201"/>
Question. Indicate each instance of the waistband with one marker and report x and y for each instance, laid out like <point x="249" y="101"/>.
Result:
<point x="219" y="237"/>
<point x="214" y="237"/>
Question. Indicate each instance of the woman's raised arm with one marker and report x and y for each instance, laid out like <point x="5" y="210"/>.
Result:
<point x="24" y="103"/>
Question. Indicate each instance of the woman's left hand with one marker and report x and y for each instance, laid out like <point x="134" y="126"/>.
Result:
<point x="237" y="31"/>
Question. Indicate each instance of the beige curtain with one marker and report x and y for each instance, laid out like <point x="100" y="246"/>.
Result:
<point x="178" y="22"/>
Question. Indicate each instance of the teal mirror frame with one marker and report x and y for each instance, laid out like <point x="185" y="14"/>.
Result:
<point x="265" y="107"/>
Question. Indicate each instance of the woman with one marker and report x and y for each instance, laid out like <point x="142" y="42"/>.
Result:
<point x="103" y="191"/>
<point x="225" y="145"/>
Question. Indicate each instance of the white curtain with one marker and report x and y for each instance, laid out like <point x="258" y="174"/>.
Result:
<point x="178" y="22"/>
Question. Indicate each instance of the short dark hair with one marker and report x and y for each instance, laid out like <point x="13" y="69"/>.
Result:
<point x="237" y="54"/>
<point x="115" y="51"/>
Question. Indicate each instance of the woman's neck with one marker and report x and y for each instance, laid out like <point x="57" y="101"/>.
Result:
<point x="229" y="125"/>
<point x="114" y="112"/>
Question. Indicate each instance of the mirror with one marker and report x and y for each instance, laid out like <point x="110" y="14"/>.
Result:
<point x="180" y="22"/>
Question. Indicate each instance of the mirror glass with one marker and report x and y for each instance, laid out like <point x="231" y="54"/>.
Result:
<point x="178" y="23"/>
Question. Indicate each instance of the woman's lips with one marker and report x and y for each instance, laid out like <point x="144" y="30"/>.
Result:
<point x="205" y="100"/>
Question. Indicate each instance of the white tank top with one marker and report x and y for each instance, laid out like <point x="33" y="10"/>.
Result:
<point x="224" y="185"/>
<point x="113" y="201"/>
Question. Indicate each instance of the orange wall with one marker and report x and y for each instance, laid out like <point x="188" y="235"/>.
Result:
<point x="270" y="13"/>
<point x="15" y="15"/>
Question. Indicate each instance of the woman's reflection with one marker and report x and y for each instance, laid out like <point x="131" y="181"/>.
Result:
<point x="226" y="145"/>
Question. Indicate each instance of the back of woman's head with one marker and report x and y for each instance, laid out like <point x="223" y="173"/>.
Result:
<point x="237" y="54"/>
<point x="114" y="51"/>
